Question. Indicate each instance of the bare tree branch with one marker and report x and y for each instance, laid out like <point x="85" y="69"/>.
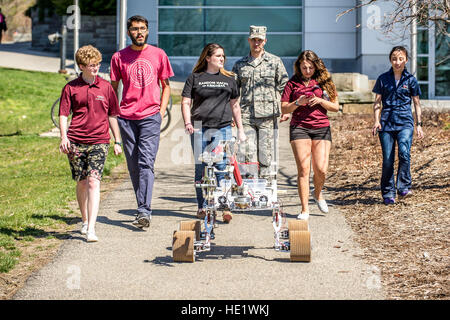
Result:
<point x="433" y="11"/>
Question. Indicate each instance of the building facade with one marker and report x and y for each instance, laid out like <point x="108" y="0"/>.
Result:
<point x="353" y="43"/>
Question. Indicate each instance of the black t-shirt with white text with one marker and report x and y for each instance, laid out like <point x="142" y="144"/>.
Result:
<point x="211" y="94"/>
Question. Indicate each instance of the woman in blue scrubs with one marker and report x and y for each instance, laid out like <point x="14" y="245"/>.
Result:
<point x="393" y="121"/>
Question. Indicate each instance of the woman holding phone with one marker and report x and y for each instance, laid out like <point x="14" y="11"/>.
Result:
<point x="308" y="95"/>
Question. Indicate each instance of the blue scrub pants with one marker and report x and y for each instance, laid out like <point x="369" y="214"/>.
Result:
<point x="141" y="142"/>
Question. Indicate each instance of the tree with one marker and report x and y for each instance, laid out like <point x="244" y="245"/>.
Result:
<point x="406" y="11"/>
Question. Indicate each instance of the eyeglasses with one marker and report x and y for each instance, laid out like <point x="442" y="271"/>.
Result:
<point x="93" y="66"/>
<point x="136" y="29"/>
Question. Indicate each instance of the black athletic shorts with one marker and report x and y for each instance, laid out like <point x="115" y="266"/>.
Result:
<point x="296" y="133"/>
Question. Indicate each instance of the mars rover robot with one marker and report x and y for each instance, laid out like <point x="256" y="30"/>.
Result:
<point x="238" y="194"/>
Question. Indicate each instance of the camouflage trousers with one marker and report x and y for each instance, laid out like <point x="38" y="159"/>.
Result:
<point x="259" y="146"/>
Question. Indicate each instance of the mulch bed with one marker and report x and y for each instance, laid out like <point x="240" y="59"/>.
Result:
<point x="408" y="241"/>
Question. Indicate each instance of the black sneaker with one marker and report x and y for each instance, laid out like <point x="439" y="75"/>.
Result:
<point x="142" y="220"/>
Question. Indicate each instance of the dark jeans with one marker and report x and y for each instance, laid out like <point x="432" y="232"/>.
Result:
<point x="388" y="139"/>
<point x="208" y="138"/>
<point x="141" y="142"/>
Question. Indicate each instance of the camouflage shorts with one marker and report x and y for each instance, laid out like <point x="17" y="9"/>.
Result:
<point x="87" y="160"/>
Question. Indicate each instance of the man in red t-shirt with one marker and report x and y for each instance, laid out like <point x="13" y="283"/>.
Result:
<point x="142" y="68"/>
<point x="94" y="108"/>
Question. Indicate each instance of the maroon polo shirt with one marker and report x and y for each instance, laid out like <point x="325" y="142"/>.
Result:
<point x="305" y="116"/>
<point x="90" y="106"/>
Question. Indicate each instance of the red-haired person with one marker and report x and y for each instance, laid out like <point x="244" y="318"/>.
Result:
<point x="94" y="107"/>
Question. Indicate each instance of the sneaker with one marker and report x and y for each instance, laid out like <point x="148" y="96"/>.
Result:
<point x="227" y="216"/>
<point x="405" y="193"/>
<point x="322" y="204"/>
<point x="91" y="237"/>
<point x="303" y="216"/>
<point x="142" y="220"/>
<point x="201" y="213"/>
<point x="84" y="228"/>
<point x="388" y="201"/>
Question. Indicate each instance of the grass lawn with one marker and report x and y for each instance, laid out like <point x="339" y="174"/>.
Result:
<point x="25" y="100"/>
<point x="35" y="181"/>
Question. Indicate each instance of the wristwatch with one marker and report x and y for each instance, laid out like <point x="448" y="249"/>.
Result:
<point x="296" y="103"/>
<point x="419" y="123"/>
<point x="119" y="143"/>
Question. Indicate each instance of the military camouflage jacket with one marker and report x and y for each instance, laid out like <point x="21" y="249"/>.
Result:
<point x="261" y="83"/>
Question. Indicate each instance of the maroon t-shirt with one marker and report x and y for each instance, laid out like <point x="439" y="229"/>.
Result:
<point x="305" y="116"/>
<point x="90" y="106"/>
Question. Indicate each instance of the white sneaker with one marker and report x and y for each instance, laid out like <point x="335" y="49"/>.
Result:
<point x="322" y="204"/>
<point x="91" y="237"/>
<point x="84" y="228"/>
<point x="303" y="216"/>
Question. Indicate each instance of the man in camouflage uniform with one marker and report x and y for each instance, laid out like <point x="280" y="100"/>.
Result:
<point x="261" y="78"/>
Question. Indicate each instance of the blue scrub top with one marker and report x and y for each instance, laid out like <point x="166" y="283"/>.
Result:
<point x="396" y="113"/>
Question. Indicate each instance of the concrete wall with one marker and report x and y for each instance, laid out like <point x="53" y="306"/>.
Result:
<point x="96" y="31"/>
<point x="41" y="29"/>
<point x="373" y="46"/>
<point x="328" y="38"/>
<point x="333" y="41"/>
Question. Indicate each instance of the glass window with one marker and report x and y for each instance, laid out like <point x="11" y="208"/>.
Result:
<point x="234" y="45"/>
<point x="182" y="45"/>
<point x="181" y="20"/>
<point x="230" y="3"/>
<point x="181" y="2"/>
<point x="442" y="70"/>
<point x="281" y="20"/>
<point x="422" y="41"/>
<point x="185" y="31"/>
<point x="424" y="90"/>
<point x="422" y="68"/>
<point x="229" y="20"/>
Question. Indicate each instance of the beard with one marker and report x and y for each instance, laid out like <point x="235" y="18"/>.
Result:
<point x="140" y="42"/>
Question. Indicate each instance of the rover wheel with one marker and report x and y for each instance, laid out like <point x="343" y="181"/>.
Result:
<point x="300" y="245"/>
<point x="183" y="246"/>
<point x="299" y="225"/>
<point x="191" y="225"/>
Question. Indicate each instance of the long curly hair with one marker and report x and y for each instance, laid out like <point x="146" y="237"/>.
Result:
<point x="321" y="75"/>
<point x="208" y="51"/>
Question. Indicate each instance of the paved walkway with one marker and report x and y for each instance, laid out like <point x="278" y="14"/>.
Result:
<point x="128" y="263"/>
<point x="22" y="56"/>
